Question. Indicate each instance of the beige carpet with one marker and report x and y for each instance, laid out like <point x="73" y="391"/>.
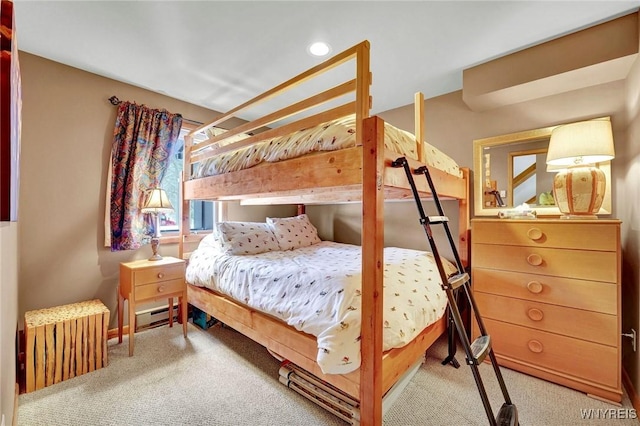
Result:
<point x="219" y="377"/>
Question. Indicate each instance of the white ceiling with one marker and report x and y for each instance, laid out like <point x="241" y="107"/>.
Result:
<point x="220" y="54"/>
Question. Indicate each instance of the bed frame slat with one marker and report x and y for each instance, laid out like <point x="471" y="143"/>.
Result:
<point x="286" y="129"/>
<point x="325" y="66"/>
<point x="281" y="114"/>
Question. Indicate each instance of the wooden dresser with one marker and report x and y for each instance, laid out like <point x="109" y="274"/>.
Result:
<point x="549" y="293"/>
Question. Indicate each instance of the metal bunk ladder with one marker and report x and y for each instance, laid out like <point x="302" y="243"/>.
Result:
<point x="478" y="350"/>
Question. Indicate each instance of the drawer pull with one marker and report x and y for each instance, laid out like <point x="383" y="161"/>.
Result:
<point x="534" y="259"/>
<point x="534" y="287"/>
<point x="160" y="275"/>
<point x="160" y="289"/>
<point x="535" y="346"/>
<point x="535" y="314"/>
<point x="534" y="233"/>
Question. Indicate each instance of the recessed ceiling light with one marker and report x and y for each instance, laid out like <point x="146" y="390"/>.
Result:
<point x="319" y="48"/>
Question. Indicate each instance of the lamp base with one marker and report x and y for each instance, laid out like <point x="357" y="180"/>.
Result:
<point x="579" y="191"/>
<point x="579" y="217"/>
<point x="155" y="242"/>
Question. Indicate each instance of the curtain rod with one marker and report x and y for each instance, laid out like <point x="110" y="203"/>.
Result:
<point x="115" y="101"/>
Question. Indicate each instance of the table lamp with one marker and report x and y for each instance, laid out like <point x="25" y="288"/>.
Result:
<point x="157" y="202"/>
<point x="574" y="149"/>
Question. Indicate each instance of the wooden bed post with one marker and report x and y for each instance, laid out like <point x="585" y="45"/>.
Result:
<point x="463" y="204"/>
<point x="370" y="134"/>
<point x="372" y="271"/>
<point x="464" y="232"/>
<point x="185" y="226"/>
<point x="363" y="83"/>
<point x="418" y="112"/>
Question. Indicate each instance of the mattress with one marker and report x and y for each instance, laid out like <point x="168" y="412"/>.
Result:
<point x="335" y="135"/>
<point x="316" y="289"/>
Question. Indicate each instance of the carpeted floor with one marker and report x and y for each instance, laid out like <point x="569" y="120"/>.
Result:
<point x="219" y="377"/>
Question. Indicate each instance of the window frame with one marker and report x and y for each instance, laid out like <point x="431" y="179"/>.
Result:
<point x="173" y="235"/>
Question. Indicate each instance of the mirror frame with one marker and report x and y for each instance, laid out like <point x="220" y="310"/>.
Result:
<point x="526" y="136"/>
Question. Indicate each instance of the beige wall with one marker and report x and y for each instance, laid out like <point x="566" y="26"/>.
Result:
<point x="66" y="142"/>
<point x="8" y="316"/>
<point x="627" y="176"/>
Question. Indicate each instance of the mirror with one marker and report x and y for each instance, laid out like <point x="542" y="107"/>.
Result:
<point x="511" y="169"/>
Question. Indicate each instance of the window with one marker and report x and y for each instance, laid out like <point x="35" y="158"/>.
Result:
<point x="202" y="213"/>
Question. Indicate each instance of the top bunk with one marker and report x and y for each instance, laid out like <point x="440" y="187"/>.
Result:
<point x="312" y="150"/>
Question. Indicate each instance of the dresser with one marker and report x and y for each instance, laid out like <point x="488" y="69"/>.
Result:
<point x="548" y="291"/>
<point x="148" y="280"/>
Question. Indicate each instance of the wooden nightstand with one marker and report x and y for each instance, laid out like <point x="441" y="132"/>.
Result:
<point x="549" y="293"/>
<point x="148" y="280"/>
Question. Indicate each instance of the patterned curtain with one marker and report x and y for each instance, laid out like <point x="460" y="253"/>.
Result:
<point x="143" y="140"/>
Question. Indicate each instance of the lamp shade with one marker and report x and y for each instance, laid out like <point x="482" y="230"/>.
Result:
<point x="574" y="149"/>
<point x="582" y="143"/>
<point x="554" y="169"/>
<point x="157" y="202"/>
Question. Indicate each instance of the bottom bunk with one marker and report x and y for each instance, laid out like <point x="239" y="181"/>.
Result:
<point x="300" y="348"/>
<point x="305" y="300"/>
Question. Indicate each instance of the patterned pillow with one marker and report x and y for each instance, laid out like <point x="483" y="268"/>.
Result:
<point x="294" y="232"/>
<point x="246" y="237"/>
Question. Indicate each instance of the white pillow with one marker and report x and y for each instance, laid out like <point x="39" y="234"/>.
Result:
<point x="211" y="240"/>
<point x="294" y="232"/>
<point x="246" y="237"/>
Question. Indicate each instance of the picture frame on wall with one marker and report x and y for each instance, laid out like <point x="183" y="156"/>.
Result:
<point x="10" y="114"/>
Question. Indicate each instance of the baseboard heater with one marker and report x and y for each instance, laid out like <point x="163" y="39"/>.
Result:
<point x="333" y="399"/>
<point x="154" y="317"/>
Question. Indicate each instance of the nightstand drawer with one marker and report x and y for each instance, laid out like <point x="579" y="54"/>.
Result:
<point x="574" y="293"/>
<point x="592" y="326"/>
<point x="549" y="351"/>
<point x="583" y="236"/>
<point x="159" y="290"/>
<point x="582" y="264"/>
<point x="159" y="273"/>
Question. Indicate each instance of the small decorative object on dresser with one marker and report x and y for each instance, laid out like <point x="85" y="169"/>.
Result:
<point x="148" y="280"/>
<point x="549" y="291"/>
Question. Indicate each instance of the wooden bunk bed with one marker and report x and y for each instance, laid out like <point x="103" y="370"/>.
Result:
<point x="361" y="173"/>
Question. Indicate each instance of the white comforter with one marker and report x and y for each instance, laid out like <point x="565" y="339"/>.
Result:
<point x="316" y="289"/>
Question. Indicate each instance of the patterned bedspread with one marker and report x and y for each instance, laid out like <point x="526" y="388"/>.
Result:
<point x="316" y="289"/>
<point x="338" y="134"/>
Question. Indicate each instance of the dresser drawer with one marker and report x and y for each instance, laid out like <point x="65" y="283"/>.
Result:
<point x="158" y="273"/>
<point x="566" y="355"/>
<point x="580" y="294"/>
<point x="159" y="289"/>
<point x="585" y="325"/>
<point x="578" y="235"/>
<point x="582" y="264"/>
